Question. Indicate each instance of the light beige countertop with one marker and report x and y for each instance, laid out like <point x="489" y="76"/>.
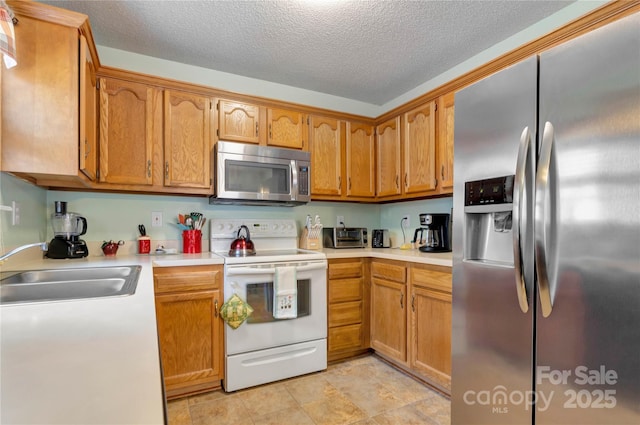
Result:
<point x="410" y="255"/>
<point x="85" y="361"/>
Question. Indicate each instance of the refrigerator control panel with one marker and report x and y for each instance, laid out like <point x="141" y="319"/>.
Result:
<point x="497" y="190"/>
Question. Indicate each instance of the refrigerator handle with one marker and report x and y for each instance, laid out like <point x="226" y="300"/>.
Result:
<point x="518" y="198"/>
<point x="542" y="222"/>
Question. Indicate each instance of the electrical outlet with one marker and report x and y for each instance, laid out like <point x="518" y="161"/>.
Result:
<point x="339" y="220"/>
<point x="156" y="219"/>
<point x="406" y="221"/>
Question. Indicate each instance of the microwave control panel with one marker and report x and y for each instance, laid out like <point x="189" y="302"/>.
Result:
<point x="498" y="190"/>
<point x="303" y="180"/>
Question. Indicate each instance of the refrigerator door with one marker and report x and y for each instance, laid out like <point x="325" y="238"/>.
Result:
<point x="492" y="331"/>
<point x="588" y="229"/>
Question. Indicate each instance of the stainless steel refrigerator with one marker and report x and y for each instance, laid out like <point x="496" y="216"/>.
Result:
<point x="546" y="263"/>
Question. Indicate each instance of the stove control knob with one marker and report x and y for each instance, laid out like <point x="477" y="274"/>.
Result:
<point x="229" y="226"/>
<point x="274" y="227"/>
<point x="220" y="226"/>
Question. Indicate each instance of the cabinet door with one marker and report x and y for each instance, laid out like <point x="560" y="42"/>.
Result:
<point x="431" y="334"/>
<point x="388" y="158"/>
<point x="127" y="121"/>
<point x="388" y="318"/>
<point x="40" y="101"/>
<point x="88" y="112"/>
<point x="190" y="332"/>
<point x="325" y="145"/>
<point x="444" y="169"/>
<point x="238" y="122"/>
<point x="419" y="149"/>
<point x="360" y="158"/>
<point x="187" y="140"/>
<point x="286" y="128"/>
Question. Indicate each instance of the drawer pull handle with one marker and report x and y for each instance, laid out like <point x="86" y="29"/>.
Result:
<point x="215" y="304"/>
<point x="401" y="300"/>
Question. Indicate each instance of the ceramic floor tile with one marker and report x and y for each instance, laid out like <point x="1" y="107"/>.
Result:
<point x="210" y="396"/>
<point x="267" y="399"/>
<point x="362" y="391"/>
<point x="293" y="416"/>
<point x="178" y="412"/>
<point x="223" y="411"/>
<point x="373" y="398"/>
<point x="335" y="410"/>
<point x="407" y="415"/>
<point x="310" y="388"/>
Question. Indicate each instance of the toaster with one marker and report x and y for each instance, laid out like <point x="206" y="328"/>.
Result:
<point x="381" y="239"/>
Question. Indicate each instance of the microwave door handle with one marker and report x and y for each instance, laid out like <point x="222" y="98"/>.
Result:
<point x="249" y="271"/>
<point x="294" y="180"/>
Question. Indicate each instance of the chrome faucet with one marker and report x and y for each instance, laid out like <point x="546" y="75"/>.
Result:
<point x="43" y="246"/>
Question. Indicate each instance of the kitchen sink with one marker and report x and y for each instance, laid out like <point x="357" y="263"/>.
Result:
<point x="67" y="284"/>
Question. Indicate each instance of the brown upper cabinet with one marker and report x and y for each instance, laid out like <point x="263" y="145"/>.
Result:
<point x="388" y="154"/>
<point x="154" y="140"/>
<point x="444" y="167"/>
<point x="187" y="139"/>
<point x="48" y="99"/>
<point x="129" y="114"/>
<point x="238" y="122"/>
<point x="360" y="160"/>
<point x="247" y="123"/>
<point x="286" y="129"/>
<point x="325" y="144"/>
<point x="419" y="150"/>
<point x="89" y="112"/>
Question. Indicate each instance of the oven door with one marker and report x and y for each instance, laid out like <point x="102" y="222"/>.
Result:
<point x="254" y="284"/>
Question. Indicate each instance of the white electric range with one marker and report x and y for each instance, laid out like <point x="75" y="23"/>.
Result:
<point x="265" y="349"/>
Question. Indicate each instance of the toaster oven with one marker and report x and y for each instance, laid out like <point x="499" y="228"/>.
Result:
<point x="344" y="237"/>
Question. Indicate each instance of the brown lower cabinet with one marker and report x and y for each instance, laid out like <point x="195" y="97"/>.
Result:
<point x="411" y="318"/>
<point x="348" y="308"/>
<point x="190" y="330"/>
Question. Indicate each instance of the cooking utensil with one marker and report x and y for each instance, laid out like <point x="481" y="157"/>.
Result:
<point x="242" y="246"/>
<point x="142" y="230"/>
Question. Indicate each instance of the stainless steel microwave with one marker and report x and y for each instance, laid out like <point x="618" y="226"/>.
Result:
<point x="260" y="175"/>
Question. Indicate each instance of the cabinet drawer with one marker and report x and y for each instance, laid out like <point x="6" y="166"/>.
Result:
<point x="433" y="279"/>
<point x="345" y="337"/>
<point x="394" y="272"/>
<point x="346" y="270"/>
<point x="345" y="314"/>
<point x="345" y="290"/>
<point x="186" y="278"/>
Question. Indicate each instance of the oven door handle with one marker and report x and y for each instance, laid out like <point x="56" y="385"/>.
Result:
<point x="272" y="270"/>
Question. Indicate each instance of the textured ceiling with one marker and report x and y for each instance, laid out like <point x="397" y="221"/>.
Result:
<point x="371" y="51"/>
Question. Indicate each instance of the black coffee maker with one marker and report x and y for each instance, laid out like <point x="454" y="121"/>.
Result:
<point x="67" y="229"/>
<point x="434" y="233"/>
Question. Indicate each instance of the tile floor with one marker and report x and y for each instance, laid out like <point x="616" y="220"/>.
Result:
<point x="362" y="391"/>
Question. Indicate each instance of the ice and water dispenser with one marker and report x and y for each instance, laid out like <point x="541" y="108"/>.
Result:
<point x="488" y="208"/>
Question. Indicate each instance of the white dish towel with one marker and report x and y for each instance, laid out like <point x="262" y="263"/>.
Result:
<point x="285" y="293"/>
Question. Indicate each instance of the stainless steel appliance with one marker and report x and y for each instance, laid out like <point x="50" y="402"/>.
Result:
<point x="344" y="237"/>
<point x="546" y="263"/>
<point x="264" y="348"/>
<point x="260" y="175"/>
<point x="380" y="239"/>
<point x="434" y="236"/>
<point x="67" y="229"/>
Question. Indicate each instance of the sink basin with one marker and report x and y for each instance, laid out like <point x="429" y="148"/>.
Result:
<point x="67" y="284"/>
